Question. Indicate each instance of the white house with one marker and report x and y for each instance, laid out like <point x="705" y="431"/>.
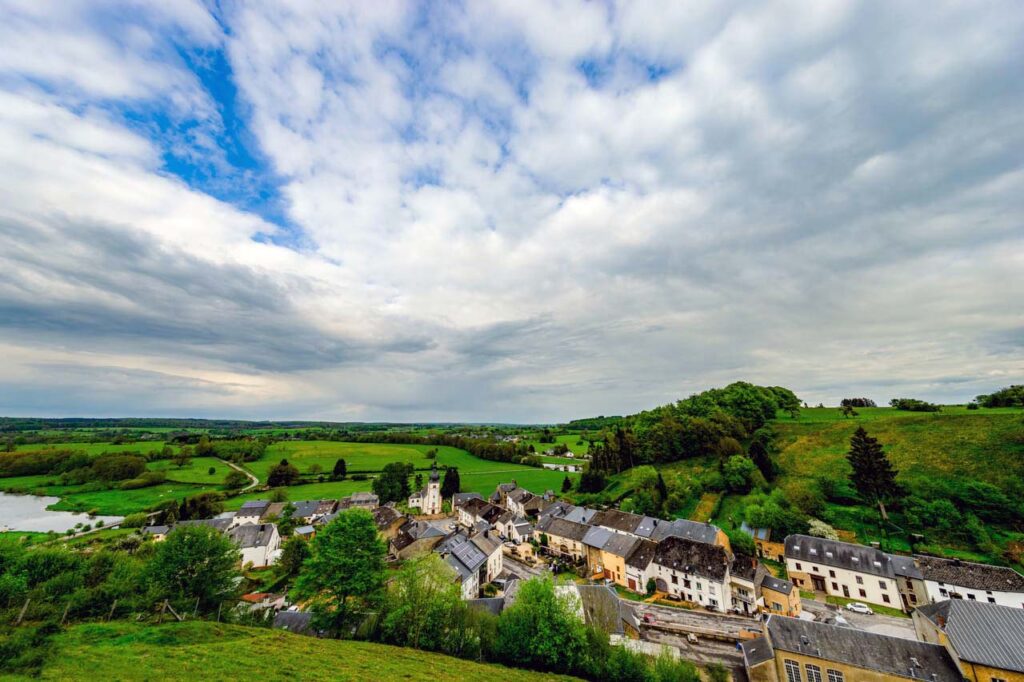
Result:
<point x="955" y="579"/>
<point x="842" y="569"/>
<point x="250" y="513"/>
<point x="257" y="542"/>
<point x="692" y="571"/>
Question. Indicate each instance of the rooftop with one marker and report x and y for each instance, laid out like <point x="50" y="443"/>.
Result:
<point x="840" y="555"/>
<point x="770" y="582"/>
<point x="970" y="575"/>
<point x="699" y="558"/>
<point x="859" y="648"/>
<point x="980" y="632"/>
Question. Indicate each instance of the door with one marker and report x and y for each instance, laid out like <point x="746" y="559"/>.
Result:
<point x="819" y="583"/>
<point x="846" y="591"/>
<point x="632" y="584"/>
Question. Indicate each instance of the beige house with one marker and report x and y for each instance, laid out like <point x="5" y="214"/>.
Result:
<point x="986" y="640"/>
<point x="563" y="538"/>
<point x="796" y="650"/>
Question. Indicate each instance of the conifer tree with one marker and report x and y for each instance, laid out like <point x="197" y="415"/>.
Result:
<point x="873" y="474"/>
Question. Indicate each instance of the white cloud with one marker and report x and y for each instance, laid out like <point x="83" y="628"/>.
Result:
<point x="821" y="197"/>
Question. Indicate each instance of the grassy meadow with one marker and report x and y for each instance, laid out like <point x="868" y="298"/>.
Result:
<point x="203" y="650"/>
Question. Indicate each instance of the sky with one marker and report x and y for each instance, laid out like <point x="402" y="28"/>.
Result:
<point x="505" y="211"/>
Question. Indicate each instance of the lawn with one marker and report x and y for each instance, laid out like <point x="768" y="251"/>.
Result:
<point x="196" y="471"/>
<point x="570" y="440"/>
<point x="122" y="502"/>
<point x="201" y="650"/>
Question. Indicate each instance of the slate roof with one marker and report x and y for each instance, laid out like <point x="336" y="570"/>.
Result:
<point x="603" y="609"/>
<point x="597" y="537"/>
<point x="305" y="508"/>
<point x="756" y="533"/>
<point x="466" y="552"/>
<point x="757" y="651"/>
<point x="562" y="528"/>
<point x="491" y="513"/>
<point x="254" y="508"/>
<point x="219" y="524"/>
<point x="744" y="567"/>
<point x="274" y="509"/>
<point x="979" y="632"/>
<point x="770" y="582"/>
<point x="385" y="516"/>
<point x="492" y="605"/>
<point x="485" y="543"/>
<point x="970" y="575"/>
<point x="305" y="530"/>
<point x="840" y="555"/>
<point x="686" y="529"/>
<point x="863" y="649"/>
<point x="904" y="566"/>
<point x="699" y="558"/>
<point x="411" y="531"/>
<point x="459" y="499"/>
<point x="642" y="554"/>
<point x="616" y="520"/>
<point x="475" y="505"/>
<point x="621" y="545"/>
<point x="252" y="534"/>
<point x="299" y="622"/>
<point x="156" y="530"/>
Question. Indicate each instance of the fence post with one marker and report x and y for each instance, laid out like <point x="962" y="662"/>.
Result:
<point x="23" y="610"/>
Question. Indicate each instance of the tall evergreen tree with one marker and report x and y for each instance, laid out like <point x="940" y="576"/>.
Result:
<point x="759" y="454"/>
<point x="451" y="483"/>
<point x="873" y="474"/>
<point x="340" y="470"/>
<point x="566" y="484"/>
<point x="662" y="489"/>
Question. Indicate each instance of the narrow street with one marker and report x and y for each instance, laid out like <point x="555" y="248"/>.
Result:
<point x="882" y="625"/>
<point x="253" y="481"/>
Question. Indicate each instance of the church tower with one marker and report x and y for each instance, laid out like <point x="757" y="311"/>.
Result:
<point x="432" y="499"/>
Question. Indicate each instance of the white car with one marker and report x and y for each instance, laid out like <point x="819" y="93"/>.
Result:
<point x="857" y="607"/>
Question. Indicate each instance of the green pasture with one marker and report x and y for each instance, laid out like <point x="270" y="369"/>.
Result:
<point x="196" y="471"/>
<point x="142" y="446"/>
<point x="569" y="440"/>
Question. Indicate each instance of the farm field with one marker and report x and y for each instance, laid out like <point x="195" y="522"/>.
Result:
<point x="203" y="650"/>
<point x="98" y="448"/>
<point x="569" y="440"/>
<point x="196" y="471"/>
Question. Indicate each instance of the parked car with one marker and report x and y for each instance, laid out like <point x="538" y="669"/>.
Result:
<point x="857" y="607"/>
<point x="648" y="618"/>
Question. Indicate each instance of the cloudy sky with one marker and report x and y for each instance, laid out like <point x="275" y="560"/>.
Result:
<point x="507" y="211"/>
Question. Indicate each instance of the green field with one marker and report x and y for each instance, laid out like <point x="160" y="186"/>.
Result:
<point x="196" y="471"/>
<point x="210" y="651"/>
<point x="569" y="440"/>
<point x="98" y="448"/>
<point x="987" y="445"/>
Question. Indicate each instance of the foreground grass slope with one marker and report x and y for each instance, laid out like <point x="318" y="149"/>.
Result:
<point x="210" y="651"/>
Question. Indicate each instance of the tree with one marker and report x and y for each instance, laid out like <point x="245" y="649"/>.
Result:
<point x="450" y="484"/>
<point x="662" y="489"/>
<point x="566" y="484"/>
<point x="235" y="480"/>
<point x="340" y="470"/>
<point x="287" y="523"/>
<point x="873" y="474"/>
<point x="737" y="473"/>
<point x="541" y="630"/>
<point x="282" y="474"/>
<point x="211" y="471"/>
<point x="194" y="562"/>
<point x="423" y="608"/>
<point x="344" y="576"/>
<point x="820" y="529"/>
<point x="392" y="485"/>
<point x="741" y="542"/>
<point x="419" y="481"/>
<point x="181" y="458"/>
<point x="315" y="469"/>
<point x="592" y="481"/>
<point x="847" y="411"/>
<point x="204" y="448"/>
<point x="293" y="554"/>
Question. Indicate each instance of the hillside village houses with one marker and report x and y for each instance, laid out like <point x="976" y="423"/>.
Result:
<point x="986" y="640"/>
<point x="870" y="575"/>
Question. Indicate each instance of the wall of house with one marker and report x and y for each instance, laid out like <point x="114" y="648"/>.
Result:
<point x="876" y="589"/>
<point x="765" y="673"/>
<point x="614" y="567"/>
<point x="741" y="590"/>
<point x="766" y="549"/>
<point x="983" y="673"/>
<point x="470" y="588"/>
<point x="927" y="631"/>
<point x="639" y="578"/>
<point x="937" y="591"/>
<point x="573" y="548"/>
<point x="850" y="673"/>
<point x="912" y="592"/>
<point x="494" y="565"/>
<point x="692" y="588"/>
<point x="790" y="603"/>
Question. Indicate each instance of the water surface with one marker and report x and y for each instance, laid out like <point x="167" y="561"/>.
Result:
<point x="30" y="513"/>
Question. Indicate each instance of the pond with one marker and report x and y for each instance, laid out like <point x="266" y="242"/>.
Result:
<point x="30" y="513"/>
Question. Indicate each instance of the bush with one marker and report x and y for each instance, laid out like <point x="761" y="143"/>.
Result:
<point x="146" y="480"/>
<point x="135" y="520"/>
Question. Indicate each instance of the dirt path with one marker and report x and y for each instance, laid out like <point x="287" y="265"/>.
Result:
<point x="253" y="481"/>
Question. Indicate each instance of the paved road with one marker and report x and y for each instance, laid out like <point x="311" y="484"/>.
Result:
<point x="730" y="625"/>
<point x="877" y="623"/>
<point x="253" y="481"/>
<point x="524" y="571"/>
<point x="703" y="652"/>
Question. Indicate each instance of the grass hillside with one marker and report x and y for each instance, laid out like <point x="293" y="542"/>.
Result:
<point x="987" y="445"/>
<point x="210" y="651"/>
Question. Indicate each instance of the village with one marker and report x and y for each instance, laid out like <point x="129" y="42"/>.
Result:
<point x="657" y="585"/>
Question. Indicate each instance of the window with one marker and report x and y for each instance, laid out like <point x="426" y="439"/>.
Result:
<point x="885" y="598"/>
<point x="881" y="583"/>
<point x="835" y="676"/>
<point x="699" y="588"/>
<point x="998" y="679"/>
<point x="686" y="584"/>
<point x="863" y="594"/>
<point x="831" y="574"/>
<point x="675" y="580"/>
<point x="813" y="673"/>
<point x="971" y="597"/>
<point x="792" y="671"/>
<point x="777" y="606"/>
<point x="814" y="568"/>
<point x="835" y="587"/>
<point x="798" y="566"/>
<point x="943" y="592"/>
<point x="860" y="580"/>
<point x="991" y="600"/>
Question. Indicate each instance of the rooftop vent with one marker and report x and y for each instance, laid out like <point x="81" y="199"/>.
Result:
<point x="878" y="564"/>
<point x="855" y="559"/>
<point x="914" y="662"/>
<point x="828" y="554"/>
<point x="814" y="552"/>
